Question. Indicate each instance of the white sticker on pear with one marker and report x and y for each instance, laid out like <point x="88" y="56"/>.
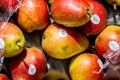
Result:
<point x="95" y="19"/>
<point x="114" y="45"/>
<point x="62" y="33"/>
<point x="2" y="44"/>
<point x="32" y="69"/>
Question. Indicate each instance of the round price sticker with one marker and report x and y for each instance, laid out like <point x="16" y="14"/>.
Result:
<point x="95" y="19"/>
<point x="32" y="69"/>
<point x="62" y="32"/>
<point x="114" y="45"/>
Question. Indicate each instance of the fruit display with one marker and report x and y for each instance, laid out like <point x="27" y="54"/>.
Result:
<point x="59" y="40"/>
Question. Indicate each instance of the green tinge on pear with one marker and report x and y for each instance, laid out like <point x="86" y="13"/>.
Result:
<point x="14" y="47"/>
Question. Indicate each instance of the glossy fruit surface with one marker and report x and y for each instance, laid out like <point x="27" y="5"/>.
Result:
<point x="61" y="42"/>
<point x="108" y="39"/>
<point x="98" y="19"/>
<point x="33" y="15"/>
<point x="70" y="13"/>
<point x="13" y="38"/>
<point x="85" y="66"/>
<point x="29" y="65"/>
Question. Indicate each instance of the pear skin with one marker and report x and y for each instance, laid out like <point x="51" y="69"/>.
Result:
<point x="61" y="42"/>
<point x="13" y="38"/>
<point x="72" y="13"/>
<point x="85" y="66"/>
<point x="33" y="15"/>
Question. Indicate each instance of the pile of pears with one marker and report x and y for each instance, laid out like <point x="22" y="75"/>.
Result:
<point x="72" y="35"/>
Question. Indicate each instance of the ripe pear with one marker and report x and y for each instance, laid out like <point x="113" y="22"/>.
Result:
<point x="108" y="39"/>
<point x="13" y="38"/>
<point x="30" y="64"/>
<point x="62" y="42"/>
<point x="33" y="15"/>
<point x="70" y="13"/>
<point x="98" y="19"/>
<point x="86" y="66"/>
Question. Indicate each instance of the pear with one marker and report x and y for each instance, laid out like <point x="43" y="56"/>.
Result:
<point x="13" y="38"/>
<point x="98" y="19"/>
<point x="86" y="66"/>
<point x="72" y="13"/>
<point x="62" y="42"/>
<point x="33" y="15"/>
<point x="30" y="64"/>
<point x="110" y="38"/>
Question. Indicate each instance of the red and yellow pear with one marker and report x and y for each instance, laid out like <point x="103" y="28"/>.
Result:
<point x="62" y="42"/>
<point x="33" y="15"/>
<point x="86" y="66"/>
<point x="70" y="13"/>
<point x="108" y="39"/>
<point x="29" y="65"/>
<point x="13" y="38"/>
<point x="98" y="19"/>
